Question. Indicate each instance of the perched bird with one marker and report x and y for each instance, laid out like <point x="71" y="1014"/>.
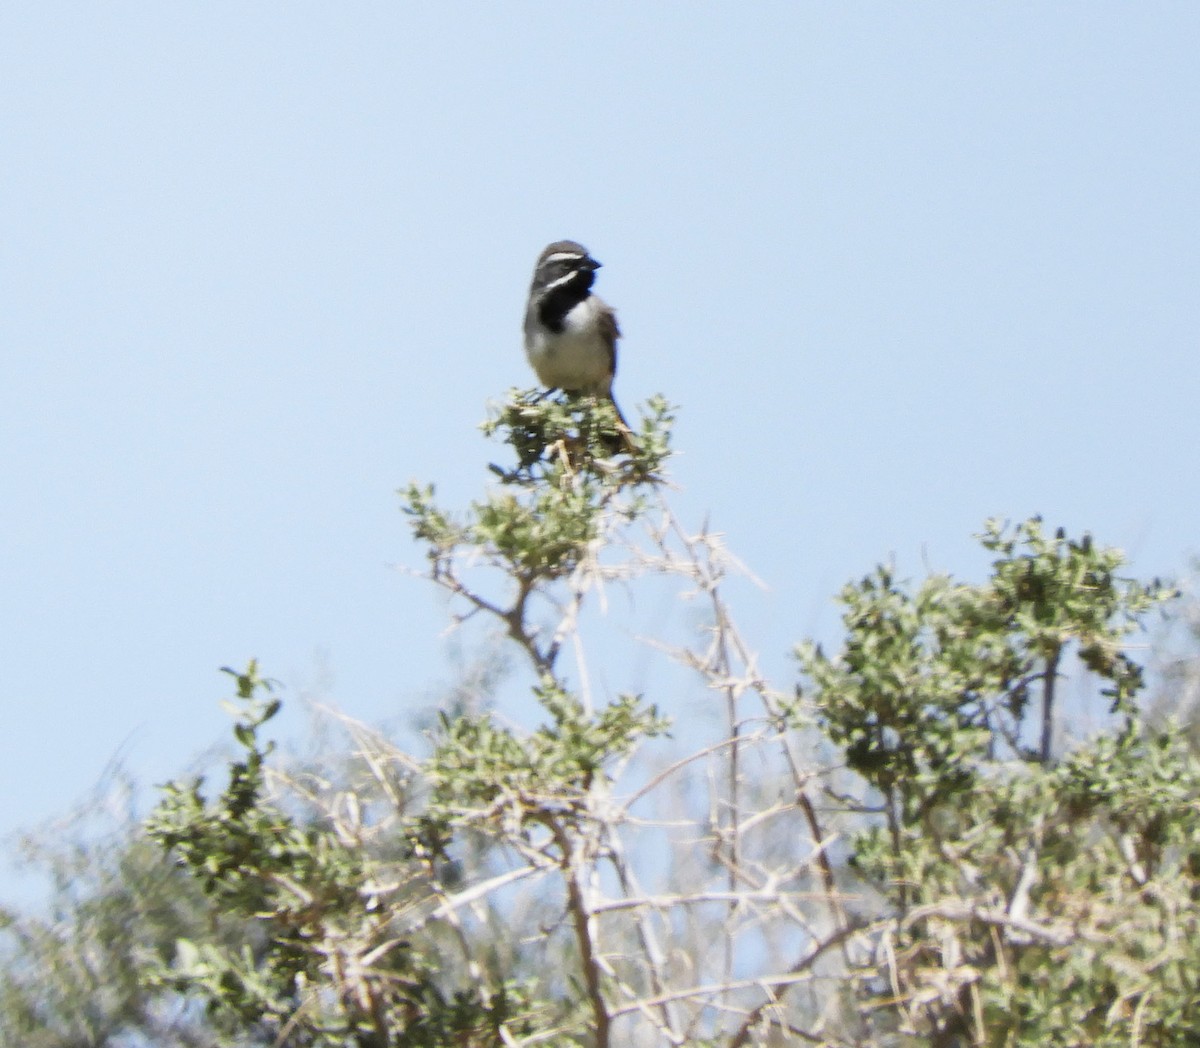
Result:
<point x="570" y="334"/>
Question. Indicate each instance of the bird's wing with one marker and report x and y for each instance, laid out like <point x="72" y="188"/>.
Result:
<point x="611" y="332"/>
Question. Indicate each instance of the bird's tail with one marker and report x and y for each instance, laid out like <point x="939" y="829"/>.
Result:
<point x="622" y="440"/>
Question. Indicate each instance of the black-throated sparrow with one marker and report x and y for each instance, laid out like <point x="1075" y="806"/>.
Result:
<point x="570" y="334"/>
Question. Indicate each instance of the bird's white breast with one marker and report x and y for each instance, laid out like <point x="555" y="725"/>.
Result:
<point x="576" y="358"/>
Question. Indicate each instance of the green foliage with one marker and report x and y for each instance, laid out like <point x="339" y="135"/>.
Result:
<point x="559" y="435"/>
<point x="486" y="771"/>
<point x="219" y="843"/>
<point x="553" y="510"/>
<point x="551" y="503"/>
<point x="930" y="685"/>
<point x="320" y="909"/>
<point x="960" y="874"/>
<point x="77" y="974"/>
<point x="345" y="955"/>
<point x="1049" y="592"/>
<point x="1033" y="903"/>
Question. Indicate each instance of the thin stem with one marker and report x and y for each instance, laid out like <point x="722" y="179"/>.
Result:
<point x="1049" y="680"/>
<point x="775" y="985"/>
<point x="573" y="864"/>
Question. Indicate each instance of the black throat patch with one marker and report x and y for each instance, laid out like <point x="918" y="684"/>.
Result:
<point x="562" y="298"/>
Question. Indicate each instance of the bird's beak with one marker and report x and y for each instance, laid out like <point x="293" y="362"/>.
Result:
<point x="592" y="264"/>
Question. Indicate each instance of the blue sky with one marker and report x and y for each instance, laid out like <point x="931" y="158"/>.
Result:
<point x="902" y="267"/>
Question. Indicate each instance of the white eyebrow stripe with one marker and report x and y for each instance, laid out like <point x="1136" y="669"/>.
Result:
<point x="562" y="256"/>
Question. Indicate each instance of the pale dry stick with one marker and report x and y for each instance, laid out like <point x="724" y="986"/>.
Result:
<point x="668" y="561"/>
<point x="344" y="964"/>
<point x="763" y="886"/>
<point x="449" y="903"/>
<point x="590" y="575"/>
<point x="376" y="752"/>
<point x="715" y="665"/>
<point x="309" y="1002"/>
<point x="515" y="616"/>
<point x="753" y="681"/>
<point x="702" y="664"/>
<point x="732" y="693"/>
<point x="821" y="843"/>
<point x="649" y="1014"/>
<point x="767" y="814"/>
<point x="583" y="920"/>
<point x="732" y="636"/>
<point x="651" y="949"/>
<point x="1060" y="933"/>
<point x="345" y="815"/>
<point x="451" y="919"/>
<point x="729" y="637"/>
<point x="711" y="665"/>
<point x="568" y="618"/>
<point x="977" y="1015"/>
<point x="668" y="771"/>
<point x="568" y="627"/>
<point x="702" y="993"/>
<point x="1139" y="1013"/>
<point x="444" y="575"/>
<point x="797" y="974"/>
<point x="581" y="667"/>
<point x="800" y="779"/>
<point x="534" y="1038"/>
<point x="666" y="902"/>
<point x="772" y="985"/>
<point x="799" y="918"/>
<point x="750" y="883"/>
